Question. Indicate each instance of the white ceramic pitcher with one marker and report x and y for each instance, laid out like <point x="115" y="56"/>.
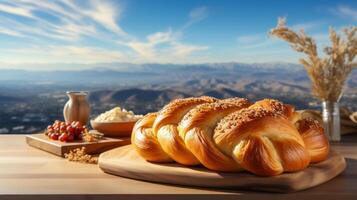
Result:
<point x="77" y="108"/>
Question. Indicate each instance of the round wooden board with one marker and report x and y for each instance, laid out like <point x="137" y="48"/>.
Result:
<point x="125" y="162"/>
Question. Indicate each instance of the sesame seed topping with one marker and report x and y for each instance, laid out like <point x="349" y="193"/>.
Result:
<point x="307" y="123"/>
<point x="216" y="106"/>
<point x="242" y="117"/>
<point x="179" y="103"/>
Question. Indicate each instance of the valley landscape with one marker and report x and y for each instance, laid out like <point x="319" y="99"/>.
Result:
<point x="30" y="100"/>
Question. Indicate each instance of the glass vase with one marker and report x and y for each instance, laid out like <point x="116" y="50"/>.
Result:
<point x="331" y="120"/>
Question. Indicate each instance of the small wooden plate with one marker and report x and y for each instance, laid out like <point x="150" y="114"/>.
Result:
<point x="58" y="148"/>
<point x="113" y="129"/>
<point x="124" y="161"/>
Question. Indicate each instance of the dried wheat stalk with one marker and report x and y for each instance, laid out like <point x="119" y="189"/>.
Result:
<point x="327" y="74"/>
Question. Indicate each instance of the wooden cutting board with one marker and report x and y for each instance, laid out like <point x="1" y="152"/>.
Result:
<point x="42" y="142"/>
<point x="124" y="161"/>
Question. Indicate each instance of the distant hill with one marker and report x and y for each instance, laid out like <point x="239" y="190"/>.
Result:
<point x="268" y="86"/>
<point x="9" y="99"/>
<point x="148" y="99"/>
<point x="142" y="72"/>
<point x="38" y="99"/>
<point x="136" y="95"/>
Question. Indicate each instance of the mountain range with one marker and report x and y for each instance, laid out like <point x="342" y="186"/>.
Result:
<point x="30" y="100"/>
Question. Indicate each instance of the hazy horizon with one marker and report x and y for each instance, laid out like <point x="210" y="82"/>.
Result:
<point x="124" y="65"/>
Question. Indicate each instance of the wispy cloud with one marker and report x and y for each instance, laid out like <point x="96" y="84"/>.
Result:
<point x="346" y="12"/>
<point x="165" y="46"/>
<point x="6" y="31"/>
<point x="251" y="38"/>
<point x="308" y="26"/>
<point x="16" y="10"/>
<point x="196" y="15"/>
<point x="71" y="22"/>
<point x="63" y="53"/>
<point x="147" y="49"/>
<point x="180" y="50"/>
<point x="256" y="41"/>
<point x="104" y="13"/>
<point x="68" y="23"/>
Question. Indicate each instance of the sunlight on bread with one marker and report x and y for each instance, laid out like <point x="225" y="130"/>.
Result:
<point x="266" y="138"/>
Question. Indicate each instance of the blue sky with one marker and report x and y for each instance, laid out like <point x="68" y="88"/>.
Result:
<point x="159" y="31"/>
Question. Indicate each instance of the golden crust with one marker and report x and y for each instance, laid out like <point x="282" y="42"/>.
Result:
<point x="308" y="123"/>
<point x="314" y="138"/>
<point x="145" y="142"/>
<point x="176" y="104"/>
<point x="197" y="127"/>
<point x="231" y="135"/>
<point x="258" y="140"/>
<point x="201" y="113"/>
<point x="278" y="107"/>
<point x="173" y="112"/>
<point x="240" y="118"/>
<point x="271" y="104"/>
<point x="165" y="128"/>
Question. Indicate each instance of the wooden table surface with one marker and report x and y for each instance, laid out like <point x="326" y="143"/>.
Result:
<point x="26" y="171"/>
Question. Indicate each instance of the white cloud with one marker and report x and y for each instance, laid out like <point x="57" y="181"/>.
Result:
<point x="345" y="12"/>
<point x="253" y="42"/>
<point x="182" y="50"/>
<point x="160" y="37"/>
<point x="70" y="23"/>
<point x="148" y="49"/>
<point x="54" y="54"/>
<point x="163" y="47"/>
<point x="50" y="7"/>
<point x="10" y="32"/>
<point x="196" y="15"/>
<point x="145" y="50"/>
<point x="244" y="39"/>
<point x="307" y="26"/>
<point x="104" y="13"/>
<point x="86" y="54"/>
<point x="16" y="10"/>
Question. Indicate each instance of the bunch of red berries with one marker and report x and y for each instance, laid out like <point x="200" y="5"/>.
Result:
<point x="65" y="132"/>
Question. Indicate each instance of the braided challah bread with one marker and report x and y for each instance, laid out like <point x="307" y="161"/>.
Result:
<point x="265" y="138"/>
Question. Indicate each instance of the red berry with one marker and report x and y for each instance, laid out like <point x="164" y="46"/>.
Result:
<point x="63" y="137"/>
<point x="54" y="136"/>
<point x="70" y="129"/>
<point x="70" y="138"/>
<point x="65" y="131"/>
<point x="63" y="128"/>
<point x="77" y="131"/>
